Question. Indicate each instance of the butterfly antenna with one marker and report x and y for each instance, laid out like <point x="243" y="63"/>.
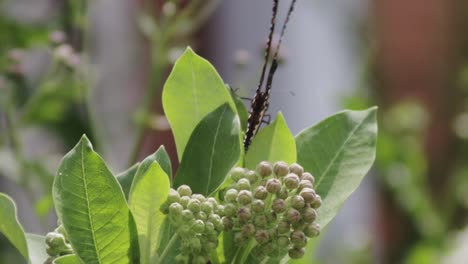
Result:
<point x="268" y="47"/>
<point x="274" y="64"/>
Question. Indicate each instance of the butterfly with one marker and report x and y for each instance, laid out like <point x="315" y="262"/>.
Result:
<point x="260" y="103"/>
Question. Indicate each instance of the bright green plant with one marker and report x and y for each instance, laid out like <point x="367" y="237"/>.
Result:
<point x="222" y="205"/>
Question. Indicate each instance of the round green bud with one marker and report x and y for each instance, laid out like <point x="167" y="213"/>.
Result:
<point x="312" y="230"/>
<point x="271" y="217"/>
<point x="252" y="177"/>
<point x="309" y="215"/>
<point x="243" y="184"/>
<point x="201" y="216"/>
<point x="199" y="197"/>
<point x="194" y="205"/>
<point x="297" y="169"/>
<point x="219" y="210"/>
<point x="248" y="230"/>
<point x="317" y="202"/>
<point x="230" y="209"/>
<point x="67" y="250"/>
<point x="52" y="251"/>
<point x="291" y="181"/>
<point x="184" y="190"/>
<point x="299" y="226"/>
<point x="264" y="169"/>
<point x="210" y="246"/>
<point x="175" y="209"/>
<point x="258" y="206"/>
<point x="283" y="193"/>
<point x="298" y="238"/>
<point x="214" y="218"/>
<point x="305" y="184"/>
<point x="262" y="236"/>
<point x="212" y="201"/>
<point x="209" y="227"/>
<point x="198" y="226"/>
<point x="283" y="227"/>
<point x="244" y="214"/>
<point x="260" y="221"/>
<point x="244" y="197"/>
<point x="207" y="207"/>
<point x="293" y="215"/>
<point x="278" y="206"/>
<point x="261" y="193"/>
<point x="296" y="253"/>
<point x="187" y="215"/>
<point x="184" y="230"/>
<point x="195" y="245"/>
<point x="184" y="200"/>
<point x="231" y="195"/>
<point x="282" y="241"/>
<point x="273" y="185"/>
<point x="308" y="177"/>
<point x="308" y="194"/>
<point x="173" y="197"/>
<point x="55" y="240"/>
<point x="182" y="259"/>
<point x="237" y="174"/>
<point x="227" y="223"/>
<point x="60" y="229"/>
<point x="281" y="168"/>
<point x="297" y="202"/>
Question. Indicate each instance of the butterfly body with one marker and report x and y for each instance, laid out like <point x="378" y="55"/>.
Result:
<point x="257" y="113"/>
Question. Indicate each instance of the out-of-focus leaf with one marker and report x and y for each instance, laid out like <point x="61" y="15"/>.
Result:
<point x="10" y="227"/>
<point x="68" y="259"/>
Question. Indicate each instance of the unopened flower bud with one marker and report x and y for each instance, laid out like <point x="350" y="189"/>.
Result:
<point x="219" y="210"/>
<point x="261" y="193"/>
<point x="258" y="206"/>
<point x="298" y="238"/>
<point x="182" y="259"/>
<point x="201" y="215"/>
<point x="279" y="206"/>
<point x="283" y="227"/>
<point x="52" y="251"/>
<point x="184" y="230"/>
<point x="273" y="185"/>
<point x="230" y="209"/>
<point x="209" y="227"/>
<point x="297" y="202"/>
<point x="198" y="226"/>
<point x="243" y="184"/>
<point x="260" y="221"/>
<point x="184" y="200"/>
<point x="309" y="215"/>
<point x="317" y="202"/>
<point x="194" y="206"/>
<point x="271" y="217"/>
<point x="231" y="195"/>
<point x="281" y="168"/>
<point x="252" y="177"/>
<point x="187" y="215"/>
<point x="296" y="253"/>
<point x="308" y="177"/>
<point x="291" y="181"/>
<point x="207" y="207"/>
<point x="293" y="216"/>
<point x="228" y="223"/>
<point x="173" y="197"/>
<point x="175" y="209"/>
<point x="184" y="190"/>
<point x="283" y="193"/>
<point x="308" y="194"/>
<point x="248" y="230"/>
<point x="312" y="230"/>
<point x="282" y="241"/>
<point x="195" y="244"/>
<point x="305" y="184"/>
<point x="244" y="214"/>
<point x="199" y="197"/>
<point x="244" y="197"/>
<point x="262" y="236"/>
<point x="55" y="240"/>
<point x="297" y="169"/>
<point x="264" y="169"/>
<point x="237" y="174"/>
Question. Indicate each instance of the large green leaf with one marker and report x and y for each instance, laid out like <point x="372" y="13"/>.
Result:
<point x="93" y="210"/>
<point x="213" y="149"/>
<point x="273" y="143"/>
<point x="10" y="226"/>
<point x="339" y="152"/>
<point x="36" y="249"/>
<point x="192" y="90"/>
<point x="125" y="179"/>
<point x="149" y="191"/>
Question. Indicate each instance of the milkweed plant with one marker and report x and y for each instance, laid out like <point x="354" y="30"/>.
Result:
<point x="223" y="205"/>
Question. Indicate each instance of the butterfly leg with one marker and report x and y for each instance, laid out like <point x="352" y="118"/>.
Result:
<point x="266" y="119"/>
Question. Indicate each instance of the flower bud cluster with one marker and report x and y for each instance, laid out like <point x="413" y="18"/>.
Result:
<point x="57" y="244"/>
<point x="198" y="222"/>
<point x="275" y="205"/>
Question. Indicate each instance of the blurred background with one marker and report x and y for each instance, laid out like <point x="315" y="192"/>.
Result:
<point x="69" y="67"/>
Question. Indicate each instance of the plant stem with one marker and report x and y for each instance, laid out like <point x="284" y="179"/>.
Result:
<point x="168" y="247"/>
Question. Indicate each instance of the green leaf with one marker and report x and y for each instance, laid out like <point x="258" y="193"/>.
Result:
<point x="339" y="152"/>
<point x="93" y="210"/>
<point x="241" y="109"/>
<point x="68" y="259"/>
<point x="192" y="90"/>
<point x="36" y="249"/>
<point x="10" y="226"/>
<point x="149" y="191"/>
<point x="125" y="178"/>
<point x="273" y="143"/>
<point x="164" y="161"/>
<point x="213" y="149"/>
